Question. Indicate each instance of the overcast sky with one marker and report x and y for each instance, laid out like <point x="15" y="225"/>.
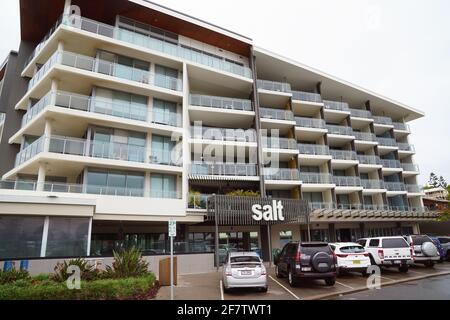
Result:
<point x="400" y="49"/>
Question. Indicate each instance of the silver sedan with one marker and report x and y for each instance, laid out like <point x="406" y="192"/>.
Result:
<point x="244" y="270"/>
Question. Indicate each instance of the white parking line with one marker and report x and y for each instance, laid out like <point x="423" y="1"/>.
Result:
<point x="221" y="290"/>
<point x="344" y="285"/>
<point x="293" y="294"/>
<point x="416" y="271"/>
<point x="383" y="277"/>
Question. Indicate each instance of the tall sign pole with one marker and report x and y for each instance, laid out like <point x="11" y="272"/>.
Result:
<point x="172" y="234"/>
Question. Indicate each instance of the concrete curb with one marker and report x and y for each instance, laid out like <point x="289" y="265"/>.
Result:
<point x="390" y="283"/>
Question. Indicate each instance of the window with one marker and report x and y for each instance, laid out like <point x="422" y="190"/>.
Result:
<point x="67" y="237"/>
<point x="314" y="197"/>
<point x="163" y="186"/>
<point x="165" y="112"/>
<point x="285" y="237"/>
<point x="395" y="243"/>
<point x="162" y="148"/>
<point x="362" y="242"/>
<point x="352" y="249"/>
<point x="201" y="242"/>
<point x="115" y="183"/>
<point x="374" y="243"/>
<point x="310" y="169"/>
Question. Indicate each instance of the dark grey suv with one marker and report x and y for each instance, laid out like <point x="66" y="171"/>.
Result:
<point x="313" y="260"/>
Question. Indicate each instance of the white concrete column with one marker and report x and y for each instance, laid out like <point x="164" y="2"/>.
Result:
<point x="44" y="237"/>
<point x="148" y="148"/>
<point x="47" y="134"/>
<point x="88" y="249"/>
<point x="186" y="126"/>
<point x="41" y="177"/>
<point x="53" y="91"/>
<point x="147" y="184"/>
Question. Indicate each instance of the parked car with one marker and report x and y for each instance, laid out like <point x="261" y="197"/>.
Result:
<point x="351" y="257"/>
<point x="440" y="248"/>
<point x="424" y="251"/>
<point x="313" y="260"/>
<point x="445" y="243"/>
<point x="388" y="252"/>
<point x="244" y="270"/>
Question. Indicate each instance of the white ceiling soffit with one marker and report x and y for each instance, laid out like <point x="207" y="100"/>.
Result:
<point x="271" y="66"/>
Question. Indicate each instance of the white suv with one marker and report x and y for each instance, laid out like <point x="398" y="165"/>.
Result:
<point x="423" y="250"/>
<point x="388" y="252"/>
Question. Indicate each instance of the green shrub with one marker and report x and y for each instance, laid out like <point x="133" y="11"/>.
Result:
<point x="13" y="275"/>
<point x="87" y="271"/>
<point x="127" y="263"/>
<point x="243" y="193"/>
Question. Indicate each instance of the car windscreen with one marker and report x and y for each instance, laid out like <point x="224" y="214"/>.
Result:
<point x="419" y="240"/>
<point x="245" y="259"/>
<point x="394" y="243"/>
<point x="352" y="249"/>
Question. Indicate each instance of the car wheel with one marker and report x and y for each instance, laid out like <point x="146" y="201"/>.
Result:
<point x="277" y="272"/>
<point x="403" y="269"/>
<point x="291" y="279"/>
<point x="330" y="281"/>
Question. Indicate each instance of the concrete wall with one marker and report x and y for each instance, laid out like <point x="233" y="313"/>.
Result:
<point x="187" y="264"/>
<point x="435" y="228"/>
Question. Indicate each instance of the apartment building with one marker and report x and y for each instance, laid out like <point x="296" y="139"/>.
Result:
<point x="119" y="116"/>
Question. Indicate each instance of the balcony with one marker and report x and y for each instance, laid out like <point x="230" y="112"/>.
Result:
<point x="413" y="188"/>
<point x="310" y="123"/>
<point x="370" y="160"/>
<point x="316" y="178"/>
<point x="336" y="105"/>
<point x="274" y="86"/>
<point x="406" y="147"/>
<point x="152" y="43"/>
<point x="221" y="102"/>
<point x="395" y="186"/>
<point x="386" y="142"/>
<point x="224" y="169"/>
<point x="389" y="163"/>
<point x="108" y="68"/>
<point x="100" y="106"/>
<point x="306" y="96"/>
<point x="198" y="201"/>
<point x="281" y="174"/>
<point x="223" y="134"/>
<point x="372" y="184"/>
<point x="341" y="181"/>
<point x="411" y="167"/>
<point x="322" y="205"/>
<point x="344" y="155"/>
<point x="276" y="114"/>
<point x="359" y="113"/>
<point x="96" y="149"/>
<point x="314" y="149"/>
<point x="364" y="136"/>
<point x="401" y="126"/>
<point x="382" y="120"/>
<point x="86" y="189"/>
<point x="339" y="130"/>
<point x="279" y="143"/>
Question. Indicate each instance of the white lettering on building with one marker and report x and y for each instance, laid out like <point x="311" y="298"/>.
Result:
<point x="268" y="212"/>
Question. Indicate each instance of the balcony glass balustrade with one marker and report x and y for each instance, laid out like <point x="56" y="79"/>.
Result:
<point x="102" y="106"/>
<point x="221" y="102"/>
<point x="306" y="96"/>
<point x="198" y="201"/>
<point x="108" y="68"/>
<point x="223" y="134"/>
<point x="382" y="120"/>
<point x="336" y="105"/>
<point x="342" y="181"/>
<point x="277" y="114"/>
<point x="364" y="136"/>
<point x="410" y="167"/>
<point x="273" y="86"/>
<point x="406" y="147"/>
<point x="148" y="42"/>
<point x="316" y="178"/>
<point x="372" y="184"/>
<point x="313" y="149"/>
<point x="279" y="143"/>
<point x="340" y="130"/>
<point x="343" y="154"/>
<point x="389" y="163"/>
<point x="310" y="123"/>
<point x="364" y="159"/>
<point x="386" y="142"/>
<point x="224" y="169"/>
<point x="401" y="126"/>
<point x="413" y="188"/>
<point x="395" y="186"/>
<point x="359" y="113"/>
<point x="322" y="205"/>
<point x="281" y="174"/>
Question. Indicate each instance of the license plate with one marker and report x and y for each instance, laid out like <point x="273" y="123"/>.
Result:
<point x="397" y="261"/>
<point x="306" y="269"/>
<point x="356" y="262"/>
<point x="246" y="273"/>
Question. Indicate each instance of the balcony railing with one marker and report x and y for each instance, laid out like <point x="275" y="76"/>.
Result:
<point x="102" y="106"/>
<point x="151" y="43"/>
<point x="281" y="174"/>
<point x="413" y="188"/>
<point x="279" y="143"/>
<point x="306" y="96"/>
<point x="395" y="186"/>
<point x="410" y="167"/>
<point x="388" y="163"/>
<point x="316" y="178"/>
<point x="270" y="113"/>
<point x="224" y="169"/>
<point x="359" y="113"/>
<point x="374" y="160"/>
<point x="364" y="136"/>
<point x="372" y="184"/>
<point x="314" y="149"/>
<point x="322" y="205"/>
<point x="401" y="126"/>
<point x="341" y="130"/>
<point x="221" y="102"/>
<point x="343" y="154"/>
<point x="310" y="123"/>
<point x="223" y="134"/>
<point x="197" y="201"/>
<point x="382" y="120"/>
<point x="30" y="151"/>
<point x="106" y="68"/>
<point x="336" y="105"/>
<point x="274" y="86"/>
<point x="406" y="147"/>
<point x="386" y="142"/>
<point x="341" y="181"/>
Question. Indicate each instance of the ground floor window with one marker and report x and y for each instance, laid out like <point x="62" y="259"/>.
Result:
<point x="67" y="237"/>
<point x="285" y="237"/>
<point x="383" y="232"/>
<point x="201" y="242"/>
<point x="317" y="235"/>
<point x="348" y="235"/>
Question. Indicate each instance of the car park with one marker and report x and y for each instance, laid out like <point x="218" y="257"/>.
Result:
<point x="351" y="257"/>
<point x="244" y="270"/>
<point x="388" y="252"/>
<point x="424" y="251"/>
<point x="445" y="243"/>
<point x="306" y="260"/>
